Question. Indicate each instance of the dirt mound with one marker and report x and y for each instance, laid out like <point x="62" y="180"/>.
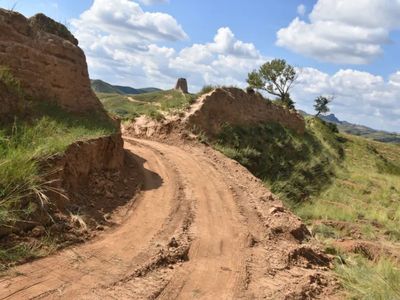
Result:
<point x="43" y="55"/>
<point x="209" y="113"/>
<point x="146" y="127"/>
<point x="236" y="107"/>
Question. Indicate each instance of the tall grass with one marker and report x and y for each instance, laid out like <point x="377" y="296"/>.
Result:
<point x="368" y="280"/>
<point x="24" y="143"/>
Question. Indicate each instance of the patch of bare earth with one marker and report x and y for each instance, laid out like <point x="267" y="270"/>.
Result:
<point x="202" y="228"/>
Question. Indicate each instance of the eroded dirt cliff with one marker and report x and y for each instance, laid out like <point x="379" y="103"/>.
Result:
<point x="236" y="107"/>
<point x="44" y="56"/>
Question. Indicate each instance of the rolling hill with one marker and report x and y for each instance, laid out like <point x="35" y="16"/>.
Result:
<point x="100" y="86"/>
<point x="361" y="130"/>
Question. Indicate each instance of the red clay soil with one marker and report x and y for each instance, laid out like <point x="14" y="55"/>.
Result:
<point x="202" y="228"/>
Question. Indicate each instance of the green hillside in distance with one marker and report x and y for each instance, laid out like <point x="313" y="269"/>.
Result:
<point x="100" y="86"/>
<point x="360" y="130"/>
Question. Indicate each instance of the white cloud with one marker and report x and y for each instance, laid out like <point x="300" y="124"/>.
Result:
<point x="360" y="97"/>
<point x="120" y="38"/>
<point x="224" y="61"/>
<point x="152" y="2"/>
<point x="342" y="31"/>
<point x="124" y="21"/>
<point x="301" y="9"/>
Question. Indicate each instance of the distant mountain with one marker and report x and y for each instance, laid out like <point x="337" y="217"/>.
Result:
<point x="100" y="86"/>
<point x="360" y="130"/>
<point x="330" y="118"/>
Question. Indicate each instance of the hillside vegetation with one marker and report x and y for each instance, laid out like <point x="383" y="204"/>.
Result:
<point x="346" y="188"/>
<point x="39" y="132"/>
<point x="294" y="166"/>
<point x="128" y="107"/>
<point x="100" y="86"/>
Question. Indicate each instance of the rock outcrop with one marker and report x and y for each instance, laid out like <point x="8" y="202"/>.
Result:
<point x="182" y="85"/>
<point x="44" y="56"/>
<point x="236" y="107"/>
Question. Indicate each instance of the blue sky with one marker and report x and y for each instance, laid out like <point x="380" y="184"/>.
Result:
<point x="346" y="48"/>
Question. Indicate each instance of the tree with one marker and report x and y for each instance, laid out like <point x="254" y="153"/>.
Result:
<point x="276" y="78"/>
<point x="321" y="105"/>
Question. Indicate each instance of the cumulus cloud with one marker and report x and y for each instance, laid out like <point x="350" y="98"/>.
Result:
<point x="120" y="39"/>
<point x="360" y="97"/>
<point x="342" y="31"/>
<point x="152" y="2"/>
<point x="124" y="21"/>
<point x="226" y="60"/>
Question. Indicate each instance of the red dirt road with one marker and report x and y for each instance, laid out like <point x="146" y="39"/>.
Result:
<point x="202" y="228"/>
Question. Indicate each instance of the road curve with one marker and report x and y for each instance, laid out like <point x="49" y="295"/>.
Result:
<point x="203" y="227"/>
<point x="215" y="266"/>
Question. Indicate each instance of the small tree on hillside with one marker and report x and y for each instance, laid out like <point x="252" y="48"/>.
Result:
<point x="276" y="78"/>
<point x="321" y="105"/>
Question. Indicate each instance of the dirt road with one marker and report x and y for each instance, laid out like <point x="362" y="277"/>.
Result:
<point x="203" y="228"/>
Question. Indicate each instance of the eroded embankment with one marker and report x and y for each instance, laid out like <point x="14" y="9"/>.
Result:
<point x="211" y="112"/>
<point x="84" y="186"/>
<point x="235" y="107"/>
<point x="203" y="227"/>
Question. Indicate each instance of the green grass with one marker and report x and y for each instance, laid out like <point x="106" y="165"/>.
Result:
<point x="364" y="192"/>
<point x="341" y="185"/>
<point x="25" y="143"/>
<point x="152" y="104"/>
<point x="292" y="165"/>
<point x="120" y="106"/>
<point x="368" y="280"/>
<point x="35" y="133"/>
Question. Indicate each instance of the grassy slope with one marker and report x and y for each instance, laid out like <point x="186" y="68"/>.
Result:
<point x="43" y="130"/>
<point x="365" y="191"/>
<point x="25" y="142"/>
<point x="150" y="104"/>
<point x="328" y="176"/>
<point x="294" y="166"/>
